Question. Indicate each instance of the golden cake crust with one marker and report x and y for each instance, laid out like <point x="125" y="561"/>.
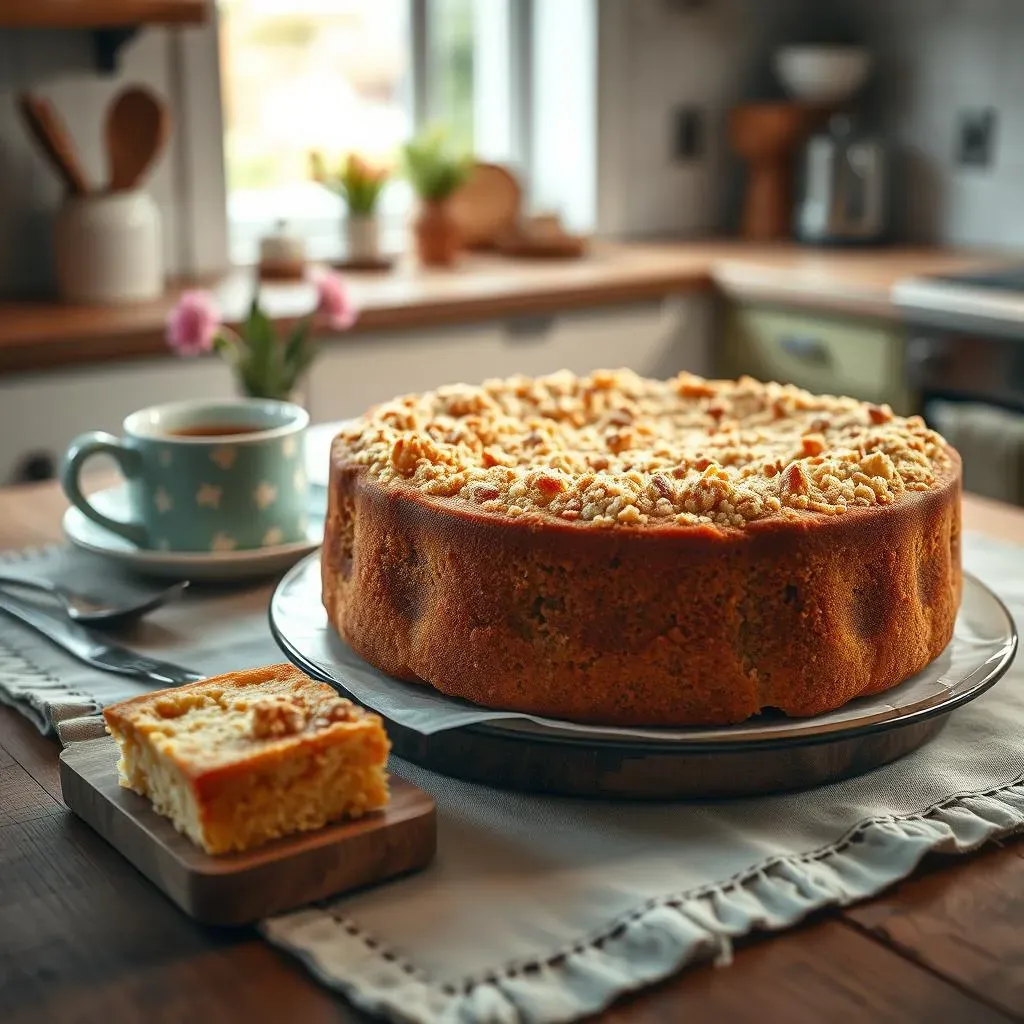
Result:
<point x="674" y="619"/>
<point x="267" y="694"/>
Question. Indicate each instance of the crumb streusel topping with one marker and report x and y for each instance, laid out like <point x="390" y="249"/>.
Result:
<point x="242" y="718"/>
<point x="616" y="448"/>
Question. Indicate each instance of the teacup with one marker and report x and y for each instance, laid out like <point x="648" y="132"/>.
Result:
<point x="204" y="475"/>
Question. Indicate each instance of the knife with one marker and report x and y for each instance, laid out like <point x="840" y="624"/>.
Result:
<point x="93" y="648"/>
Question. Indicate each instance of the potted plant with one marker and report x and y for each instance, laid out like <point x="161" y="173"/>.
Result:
<point x="435" y="171"/>
<point x="360" y="184"/>
<point x="265" y="365"/>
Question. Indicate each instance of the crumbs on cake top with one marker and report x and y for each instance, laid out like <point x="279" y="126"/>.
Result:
<point x="614" y="448"/>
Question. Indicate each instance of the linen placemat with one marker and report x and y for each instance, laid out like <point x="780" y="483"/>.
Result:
<point x="211" y="629"/>
<point x="542" y="909"/>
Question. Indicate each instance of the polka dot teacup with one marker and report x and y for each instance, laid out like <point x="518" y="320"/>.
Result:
<point x="204" y="475"/>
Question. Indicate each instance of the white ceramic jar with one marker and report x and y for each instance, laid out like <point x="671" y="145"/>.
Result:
<point x="108" y="248"/>
<point x="362" y="237"/>
<point x="282" y="254"/>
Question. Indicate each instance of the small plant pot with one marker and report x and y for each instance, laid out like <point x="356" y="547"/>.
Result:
<point x="296" y="395"/>
<point x="362" y="235"/>
<point x="438" y="239"/>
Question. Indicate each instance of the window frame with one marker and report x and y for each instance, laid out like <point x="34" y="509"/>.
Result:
<point x="207" y="245"/>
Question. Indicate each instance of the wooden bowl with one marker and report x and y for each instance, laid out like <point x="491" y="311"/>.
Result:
<point x="380" y="265"/>
<point x="486" y="206"/>
<point x="570" y="247"/>
<point x="760" y="130"/>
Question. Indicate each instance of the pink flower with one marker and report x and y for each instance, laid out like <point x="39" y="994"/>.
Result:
<point x="193" y="324"/>
<point x="335" y="305"/>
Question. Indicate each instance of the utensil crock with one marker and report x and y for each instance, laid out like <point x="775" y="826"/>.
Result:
<point x="108" y="248"/>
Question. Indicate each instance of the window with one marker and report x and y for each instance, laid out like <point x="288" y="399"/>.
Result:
<point x="344" y="75"/>
<point x="450" y="61"/>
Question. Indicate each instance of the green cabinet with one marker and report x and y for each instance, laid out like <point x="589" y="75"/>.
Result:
<point x="824" y="353"/>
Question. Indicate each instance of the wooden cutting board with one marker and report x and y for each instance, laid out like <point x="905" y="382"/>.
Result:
<point x="239" y="888"/>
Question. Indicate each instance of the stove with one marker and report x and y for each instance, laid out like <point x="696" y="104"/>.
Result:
<point x="965" y="364"/>
<point x="1005" y="279"/>
<point x="987" y="301"/>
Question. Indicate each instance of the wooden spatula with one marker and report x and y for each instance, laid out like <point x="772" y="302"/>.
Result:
<point x="50" y="132"/>
<point x="137" y="129"/>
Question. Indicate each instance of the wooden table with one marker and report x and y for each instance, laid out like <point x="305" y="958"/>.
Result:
<point x="84" y="937"/>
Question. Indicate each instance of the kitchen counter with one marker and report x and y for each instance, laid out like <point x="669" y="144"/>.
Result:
<point x="855" y="281"/>
<point x="37" y="336"/>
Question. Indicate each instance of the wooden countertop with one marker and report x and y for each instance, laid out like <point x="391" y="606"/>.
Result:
<point x="44" y="335"/>
<point x="857" y="281"/>
<point x="85" y="936"/>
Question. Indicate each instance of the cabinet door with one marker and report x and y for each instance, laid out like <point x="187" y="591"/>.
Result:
<point x="656" y="339"/>
<point x="826" y="355"/>
<point x="41" y="413"/>
<point x="355" y="373"/>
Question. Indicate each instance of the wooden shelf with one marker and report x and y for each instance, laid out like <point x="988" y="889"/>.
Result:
<point x="99" y="13"/>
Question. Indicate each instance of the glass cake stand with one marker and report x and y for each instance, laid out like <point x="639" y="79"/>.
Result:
<point x="767" y="754"/>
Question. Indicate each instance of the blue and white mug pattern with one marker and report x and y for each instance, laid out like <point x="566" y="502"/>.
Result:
<point x="217" y="492"/>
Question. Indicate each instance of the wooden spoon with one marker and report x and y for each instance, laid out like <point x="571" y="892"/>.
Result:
<point x="50" y="132"/>
<point x="138" y="126"/>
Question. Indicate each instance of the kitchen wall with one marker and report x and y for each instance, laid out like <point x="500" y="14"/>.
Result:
<point x="59" y="65"/>
<point x="655" y="56"/>
<point x="937" y="58"/>
<point x="934" y="58"/>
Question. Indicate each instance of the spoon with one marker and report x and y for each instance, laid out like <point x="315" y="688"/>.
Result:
<point x="91" y="613"/>
<point x="138" y="124"/>
<point x="51" y="134"/>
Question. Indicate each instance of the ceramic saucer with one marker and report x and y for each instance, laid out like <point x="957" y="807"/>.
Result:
<point x="194" y="565"/>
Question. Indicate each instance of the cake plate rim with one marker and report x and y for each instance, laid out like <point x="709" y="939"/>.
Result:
<point x="804" y="732"/>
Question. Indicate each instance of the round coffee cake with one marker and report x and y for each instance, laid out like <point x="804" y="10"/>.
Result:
<point x="619" y="550"/>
